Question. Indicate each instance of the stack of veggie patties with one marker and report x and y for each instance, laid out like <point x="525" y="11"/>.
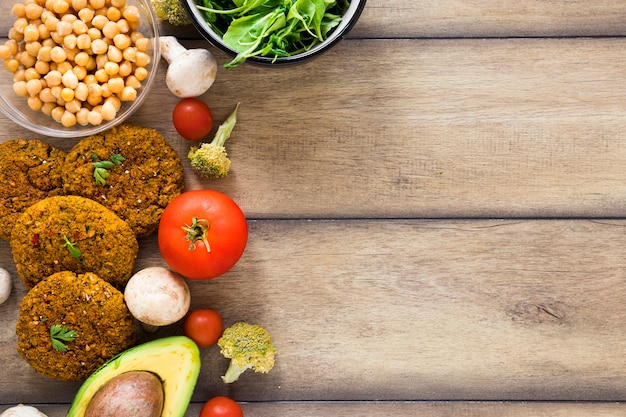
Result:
<point x="73" y="221"/>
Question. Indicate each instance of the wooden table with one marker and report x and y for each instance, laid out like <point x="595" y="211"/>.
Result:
<point x="437" y="217"/>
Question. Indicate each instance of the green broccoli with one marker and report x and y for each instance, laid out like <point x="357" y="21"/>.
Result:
<point x="248" y="346"/>
<point x="171" y="11"/>
<point x="210" y="160"/>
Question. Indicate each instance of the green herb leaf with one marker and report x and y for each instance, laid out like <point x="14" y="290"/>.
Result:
<point x="74" y="251"/>
<point x="60" y="334"/>
<point x="100" y="172"/>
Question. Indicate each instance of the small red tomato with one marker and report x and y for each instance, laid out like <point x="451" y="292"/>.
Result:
<point x="192" y="118"/>
<point x="221" y="406"/>
<point x="204" y="326"/>
<point x="202" y="234"/>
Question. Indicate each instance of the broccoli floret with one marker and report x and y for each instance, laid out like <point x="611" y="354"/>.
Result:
<point x="248" y="346"/>
<point x="210" y="160"/>
<point x="171" y="11"/>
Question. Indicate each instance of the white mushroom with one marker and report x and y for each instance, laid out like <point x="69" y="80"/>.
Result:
<point x="191" y="71"/>
<point x="5" y="285"/>
<point x="22" y="410"/>
<point x="157" y="296"/>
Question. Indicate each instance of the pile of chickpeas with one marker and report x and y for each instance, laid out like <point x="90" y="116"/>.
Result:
<point x="76" y="60"/>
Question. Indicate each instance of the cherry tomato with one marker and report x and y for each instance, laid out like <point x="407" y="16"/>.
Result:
<point x="221" y="406"/>
<point x="192" y="118"/>
<point x="202" y="234"/>
<point x="204" y="326"/>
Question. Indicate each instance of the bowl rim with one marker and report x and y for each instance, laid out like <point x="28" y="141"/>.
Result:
<point x="354" y="12"/>
<point x="57" y="130"/>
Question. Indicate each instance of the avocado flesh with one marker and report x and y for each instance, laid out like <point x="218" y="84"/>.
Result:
<point x="175" y="360"/>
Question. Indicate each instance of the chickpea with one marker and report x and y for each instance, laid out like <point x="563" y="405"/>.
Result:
<point x="110" y="30"/>
<point x="18" y="10"/>
<point x="32" y="11"/>
<point x="58" y="54"/>
<point x="114" y="54"/>
<point x="97" y="4"/>
<point x="142" y="60"/>
<point x="70" y="79"/>
<point x="60" y="6"/>
<point x="116" y="85"/>
<point x="114" y="14"/>
<point x="99" y="47"/>
<point x="128" y="94"/>
<point x="19" y="88"/>
<point x="34" y="103"/>
<point x="108" y="111"/>
<point x="126" y="69"/>
<point x="57" y="113"/>
<point x="53" y="78"/>
<point x="82" y="116"/>
<point x="31" y="33"/>
<point x="131" y="13"/>
<point x="95" y="118"/>
<point x="42" y="67"/>
<point x="83" y="41"/>
<point x="68" y="119"/>
<point x="11" y="64"/>
<point x="73" y="106"/>
<point x="47" y="108"/>
<point x="81" y="92"/>
<point x="33" y="87"/>
<point x="67" y="94"/>
<point x="5" y="52"/>
<point x="46" y="96"/>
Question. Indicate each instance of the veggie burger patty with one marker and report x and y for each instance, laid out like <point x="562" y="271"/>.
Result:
<point x="70" y="324"/>
<point x="30" y="170"/>
<point x="140" y="173"/>
<point x="72" y="233"/>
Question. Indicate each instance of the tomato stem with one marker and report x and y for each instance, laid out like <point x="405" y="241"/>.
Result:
<point x="197" y="231"/>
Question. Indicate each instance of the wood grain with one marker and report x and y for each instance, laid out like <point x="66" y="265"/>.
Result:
<point x="436" y="213"/>
<point x="408" y="310"/>
<point x="403" y="409"/>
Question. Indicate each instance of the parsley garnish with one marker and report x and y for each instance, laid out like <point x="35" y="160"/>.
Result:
<point x="100" y="172"/>
<point x="60" y="334"/>
<point x="74" y="251"/>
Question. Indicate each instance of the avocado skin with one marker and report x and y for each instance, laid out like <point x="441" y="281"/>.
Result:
<point x="175" y="360"/>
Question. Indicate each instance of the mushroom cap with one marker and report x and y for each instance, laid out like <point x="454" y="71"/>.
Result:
<point x="5" y="285"/>
<point x="157" y="296"/>
<point x="192" y="73"/>
<point x="22" y="410"/>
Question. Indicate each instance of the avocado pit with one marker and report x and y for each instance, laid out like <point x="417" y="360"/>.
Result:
<point x="130" y="394"/>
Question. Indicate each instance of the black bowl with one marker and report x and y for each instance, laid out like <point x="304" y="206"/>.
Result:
<point x="350" y="17"/>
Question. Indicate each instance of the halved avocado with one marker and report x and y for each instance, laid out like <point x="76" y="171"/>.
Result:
<point x="175" y="360"/>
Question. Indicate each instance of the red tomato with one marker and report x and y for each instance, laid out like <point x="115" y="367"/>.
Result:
<point x="221" y="406"/>
<point x="192" y="118"/>
<point x="204" y="326"/>
<point x="202" y="234"/>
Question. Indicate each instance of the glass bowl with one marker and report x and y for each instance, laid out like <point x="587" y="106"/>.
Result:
<point x="349" y="19"/>
<point x="16" y="107"/>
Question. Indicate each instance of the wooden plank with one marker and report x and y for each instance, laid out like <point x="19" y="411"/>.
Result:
<point x="403" y="409"/>
<point x="406" y="310"/>
<point x="491" y="18"/>
<point x="444" y="130"/>
<point x="471" y="18"/>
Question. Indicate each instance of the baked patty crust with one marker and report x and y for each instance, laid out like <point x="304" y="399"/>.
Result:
<point x="30" y="170"/>
<point x="139" y="187"/>
<point x="73" y="233"/>
<point x="81" y="303"/>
